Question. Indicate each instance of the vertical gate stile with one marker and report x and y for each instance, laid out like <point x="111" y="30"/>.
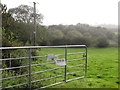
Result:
<point x="30" y="68"/>
<point x="66" y="64"/>
<point x="85" y="60"/>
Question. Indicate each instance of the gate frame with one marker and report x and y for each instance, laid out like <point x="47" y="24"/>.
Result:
<point x="29" y="48"/>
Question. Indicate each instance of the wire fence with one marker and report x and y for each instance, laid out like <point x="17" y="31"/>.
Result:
<point x="29" y="74"/>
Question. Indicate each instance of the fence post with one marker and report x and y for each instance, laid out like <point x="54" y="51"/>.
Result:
<point x="30" y="68"/>
<point x="66" y="64"/>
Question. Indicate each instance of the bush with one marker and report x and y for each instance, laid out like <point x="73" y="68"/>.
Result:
<point x="15" y="63"/>
<point x="102" y="42"/>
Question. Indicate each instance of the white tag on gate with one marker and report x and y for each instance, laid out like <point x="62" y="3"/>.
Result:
<point x="60" y="62"/>
<point x="51" y="57"/>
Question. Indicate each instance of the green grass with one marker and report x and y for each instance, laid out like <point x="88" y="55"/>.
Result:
<point x="102" y="69"/>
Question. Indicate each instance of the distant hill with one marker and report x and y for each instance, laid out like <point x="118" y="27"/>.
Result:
<point x="110" y="27"/>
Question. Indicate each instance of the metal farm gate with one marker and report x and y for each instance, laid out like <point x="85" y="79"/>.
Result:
<point x="43" y="70"/>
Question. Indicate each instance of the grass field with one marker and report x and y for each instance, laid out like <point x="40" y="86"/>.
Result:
<point x="102" y="69"/>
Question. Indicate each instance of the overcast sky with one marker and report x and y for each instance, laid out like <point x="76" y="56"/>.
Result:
<point x="91" y="12"/>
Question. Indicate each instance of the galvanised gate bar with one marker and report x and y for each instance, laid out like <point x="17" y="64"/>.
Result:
<point x="32" y="76"/>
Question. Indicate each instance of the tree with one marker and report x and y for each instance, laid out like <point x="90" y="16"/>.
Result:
<point x="73" y="36"/>
<point x="54" y="37"/>
<point x="24" y="13"/>
<point x="6" y="17"/>
<point x="3" y="8"/>
<point x="102" y="42"/>
<point x="7" y="35"/>
<point x="41" y="35"/>
<point x="7" y="23"/>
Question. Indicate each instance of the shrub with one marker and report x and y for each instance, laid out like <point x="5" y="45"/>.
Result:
<point x="15" y="63"/>
<point x="102" y="42"/>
